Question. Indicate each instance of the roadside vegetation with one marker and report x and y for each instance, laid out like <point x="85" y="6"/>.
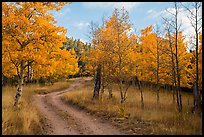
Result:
<point x="27" y="119"/>
<point x="118" y="59"/>
<point x="162" y="118"/>
<point x="24" y="121"/>
<point x="48" y="88"/>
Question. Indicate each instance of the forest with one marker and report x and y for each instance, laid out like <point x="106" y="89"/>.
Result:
<point x="118" y="68"/>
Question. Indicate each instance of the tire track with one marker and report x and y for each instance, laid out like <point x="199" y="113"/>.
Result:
<point x="64" y="119"/>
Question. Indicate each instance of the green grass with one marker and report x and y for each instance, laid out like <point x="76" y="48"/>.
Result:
<point x="162" y="118"/>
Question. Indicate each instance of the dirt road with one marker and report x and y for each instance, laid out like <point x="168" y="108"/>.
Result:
<point x="64" y="119"/>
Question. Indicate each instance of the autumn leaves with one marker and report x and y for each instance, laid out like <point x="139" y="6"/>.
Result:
<point x="31" y="40"/>
<point x="31" y="43"/>
<point x="151" y="56"/>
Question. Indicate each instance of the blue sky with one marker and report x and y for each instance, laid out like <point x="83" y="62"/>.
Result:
<point x="77" y="16"/>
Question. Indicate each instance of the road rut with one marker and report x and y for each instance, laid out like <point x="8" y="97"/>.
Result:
<point x="64" y="119"/>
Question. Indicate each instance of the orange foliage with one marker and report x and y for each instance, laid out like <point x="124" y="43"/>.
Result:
<point x="29" y="34"/>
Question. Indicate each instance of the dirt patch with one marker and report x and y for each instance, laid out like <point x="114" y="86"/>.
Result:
<point x="64" y="119"/>
<point x="125" y="124"/>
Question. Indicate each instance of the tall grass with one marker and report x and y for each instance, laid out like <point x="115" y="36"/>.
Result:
<point x="27" y="120"/>
<point x="164" y="114"/>
<point x="22" y="121"/>
<point x="45" y="89"/>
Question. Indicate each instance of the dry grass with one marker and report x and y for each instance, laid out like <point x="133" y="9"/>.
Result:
<point x="23" y="121"/>
<point x="161" y="118"/>
<point x="27" y="120"/>
<point x="52" y="88"/>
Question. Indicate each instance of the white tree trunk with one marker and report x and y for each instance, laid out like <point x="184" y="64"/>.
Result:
<point x="19" y="87"/>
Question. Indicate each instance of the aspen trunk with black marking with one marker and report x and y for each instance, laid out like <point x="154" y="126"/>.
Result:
<point x="195" y="17"/>
<point x="19" y="87"/>
<point x="178" y="89"/>
<point x="29" y="72"/>
<point x="97" y="83"/>
<point x="102" y="83"/>
<point x="157" y="75"/>
<point x="137" y="82"/>
<point x="197" y="92"/>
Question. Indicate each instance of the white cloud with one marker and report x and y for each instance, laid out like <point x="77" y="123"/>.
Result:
<point x="127" y="5"/>
<point x="82" y="25"/>
<point x="150" y="11"/>
<point x="183" y="19"/>
<point x="84" y="40"/>
<point x="153" y="14"/>
<point x="62" y="12"/>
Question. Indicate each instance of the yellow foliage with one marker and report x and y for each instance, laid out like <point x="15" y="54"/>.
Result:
<point x="29" y="34"/>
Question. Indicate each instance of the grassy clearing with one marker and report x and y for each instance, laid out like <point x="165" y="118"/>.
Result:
<point x="161" y="118"/>
<point x="27" y="120"/>
<point x="24" y="121"/>
<point x="45" y="89"/>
